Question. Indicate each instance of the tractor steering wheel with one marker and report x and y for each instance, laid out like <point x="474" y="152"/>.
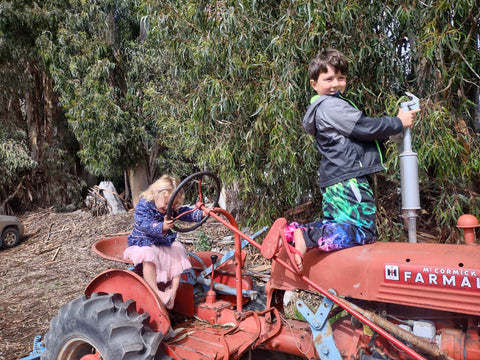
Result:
<point x="212" y="181"/>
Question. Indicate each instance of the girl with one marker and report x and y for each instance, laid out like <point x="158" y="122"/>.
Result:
<point x="152" y="242"/>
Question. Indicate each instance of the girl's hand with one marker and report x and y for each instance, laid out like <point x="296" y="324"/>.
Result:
<point x="167" y="225"/>
<point x="407" y="117"/>
<point x="204" y="214"/>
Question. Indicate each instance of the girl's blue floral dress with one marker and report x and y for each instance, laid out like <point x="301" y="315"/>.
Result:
<point x="148" y="243"/>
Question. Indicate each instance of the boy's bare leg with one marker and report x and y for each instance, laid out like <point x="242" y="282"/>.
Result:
<point x="150" y="276"/>
<point x="300" y="246"/>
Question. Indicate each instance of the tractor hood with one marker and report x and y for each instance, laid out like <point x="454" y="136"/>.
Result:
<point x="436" y="276"/>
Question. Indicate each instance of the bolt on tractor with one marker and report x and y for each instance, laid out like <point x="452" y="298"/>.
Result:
<point x="392" y="301"/>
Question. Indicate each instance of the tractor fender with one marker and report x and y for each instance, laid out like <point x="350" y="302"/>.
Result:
<point x="132" y="286"/>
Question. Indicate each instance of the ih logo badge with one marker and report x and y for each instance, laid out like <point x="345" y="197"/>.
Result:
<point x="392" y="272"/>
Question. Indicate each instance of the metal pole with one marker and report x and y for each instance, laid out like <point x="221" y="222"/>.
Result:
<point x="409" y="175"/>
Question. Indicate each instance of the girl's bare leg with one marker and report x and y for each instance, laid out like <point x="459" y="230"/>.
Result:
<point x="150" y="276"/>
<point x="300" y="246"/>
<point x="172" y="291"/>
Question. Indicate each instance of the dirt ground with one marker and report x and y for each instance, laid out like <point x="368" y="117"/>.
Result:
<point x="52" y="266"/>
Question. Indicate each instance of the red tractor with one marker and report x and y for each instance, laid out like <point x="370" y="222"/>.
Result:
<point x="392" y="300"/>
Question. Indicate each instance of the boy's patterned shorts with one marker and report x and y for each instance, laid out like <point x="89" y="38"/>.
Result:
<point x="348" y="217"/>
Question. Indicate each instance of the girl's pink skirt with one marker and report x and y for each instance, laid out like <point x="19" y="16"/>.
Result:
<point x="169" y="261"/>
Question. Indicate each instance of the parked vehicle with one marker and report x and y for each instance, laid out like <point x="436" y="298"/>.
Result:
<point x="11" y="230"/>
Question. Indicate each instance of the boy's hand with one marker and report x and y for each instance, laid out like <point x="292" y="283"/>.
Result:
<point x="407" y="117"/>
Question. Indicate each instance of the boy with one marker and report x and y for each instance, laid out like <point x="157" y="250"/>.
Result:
<point x="346" y="140"/>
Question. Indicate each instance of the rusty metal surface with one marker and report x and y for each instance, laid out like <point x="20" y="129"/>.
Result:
<point x="132" y="286"/>
<point x="112" y="248"/>
<point x="230" y="337"/>
<point x="397" y="273"/>
<point x="435" y="276"/>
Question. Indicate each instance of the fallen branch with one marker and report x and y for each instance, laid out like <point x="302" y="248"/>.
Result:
<point x="53" y="262"/>
<point x="256" y="274"/>
<point x="214" y="242"/>
<point x="56" y="253"/>
<point x="48" y="250"/>
<point x="49" y="232"/>
<point x="4" y="203"/>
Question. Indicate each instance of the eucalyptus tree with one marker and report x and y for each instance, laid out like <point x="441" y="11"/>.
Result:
<point x="237" y="89"/>
<point x="15" y="71"/>
<point x="443" y="63"/>
<point x="88" y="59"/>
<point x="34" y="163"/>
<point x="229" y="99"/>
<point x="175" y="86"/>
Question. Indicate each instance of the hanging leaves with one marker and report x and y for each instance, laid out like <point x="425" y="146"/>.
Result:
<point x="222" y="85"/>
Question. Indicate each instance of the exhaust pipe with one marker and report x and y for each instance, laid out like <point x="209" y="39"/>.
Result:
<point x="409" y="174"/>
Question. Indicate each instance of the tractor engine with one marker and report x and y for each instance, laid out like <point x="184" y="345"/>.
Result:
<point x="429" y="290"/>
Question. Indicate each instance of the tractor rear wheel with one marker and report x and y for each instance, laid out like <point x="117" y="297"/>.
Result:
<point x="103" y="325"/>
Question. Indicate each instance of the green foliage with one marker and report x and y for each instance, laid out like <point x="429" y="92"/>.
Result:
<point x="223" y="86"/>
<point x="88" y="58"/>
<point x="35" y="166"/>
<point x="232" y="103"/>
<point x="15" y="161"/>
<point x="442" y="142"/>
<point x="203" y="242"/>
<point x="236" y="98"/>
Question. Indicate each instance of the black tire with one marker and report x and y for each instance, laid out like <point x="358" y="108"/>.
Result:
<point x="10" y="238"/>
<point x="102" y="324"/>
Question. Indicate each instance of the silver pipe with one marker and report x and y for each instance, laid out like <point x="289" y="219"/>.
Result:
<point x="409" y="175"/>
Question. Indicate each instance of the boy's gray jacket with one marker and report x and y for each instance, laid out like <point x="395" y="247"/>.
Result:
<point x="346" y="138"/>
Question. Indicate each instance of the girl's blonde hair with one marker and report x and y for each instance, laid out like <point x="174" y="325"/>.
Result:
<point x="165" y="183"/>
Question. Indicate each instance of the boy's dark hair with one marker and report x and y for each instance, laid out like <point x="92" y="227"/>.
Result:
<point x="331" y="57"/>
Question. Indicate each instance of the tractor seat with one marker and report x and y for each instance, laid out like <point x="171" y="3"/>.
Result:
<point x="112" y="248"/>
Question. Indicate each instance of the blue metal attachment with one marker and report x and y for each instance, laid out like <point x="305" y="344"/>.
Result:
<point x="321" y="329"/>
<point x="190" y="277"/>
<point x="230" y="254"/>
<point x="221" y="288"/>
<point x="38" y="349"/>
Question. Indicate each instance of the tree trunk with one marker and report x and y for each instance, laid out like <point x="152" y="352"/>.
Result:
<point x="139" y="179"/>
<point x="230" y="199"/>
<point x="40" y="112"/>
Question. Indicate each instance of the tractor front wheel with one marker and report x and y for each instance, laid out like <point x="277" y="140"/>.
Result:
<point x="102" y="327"/>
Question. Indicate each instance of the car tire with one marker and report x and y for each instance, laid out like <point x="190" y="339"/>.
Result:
<point x="10" y="238"/>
